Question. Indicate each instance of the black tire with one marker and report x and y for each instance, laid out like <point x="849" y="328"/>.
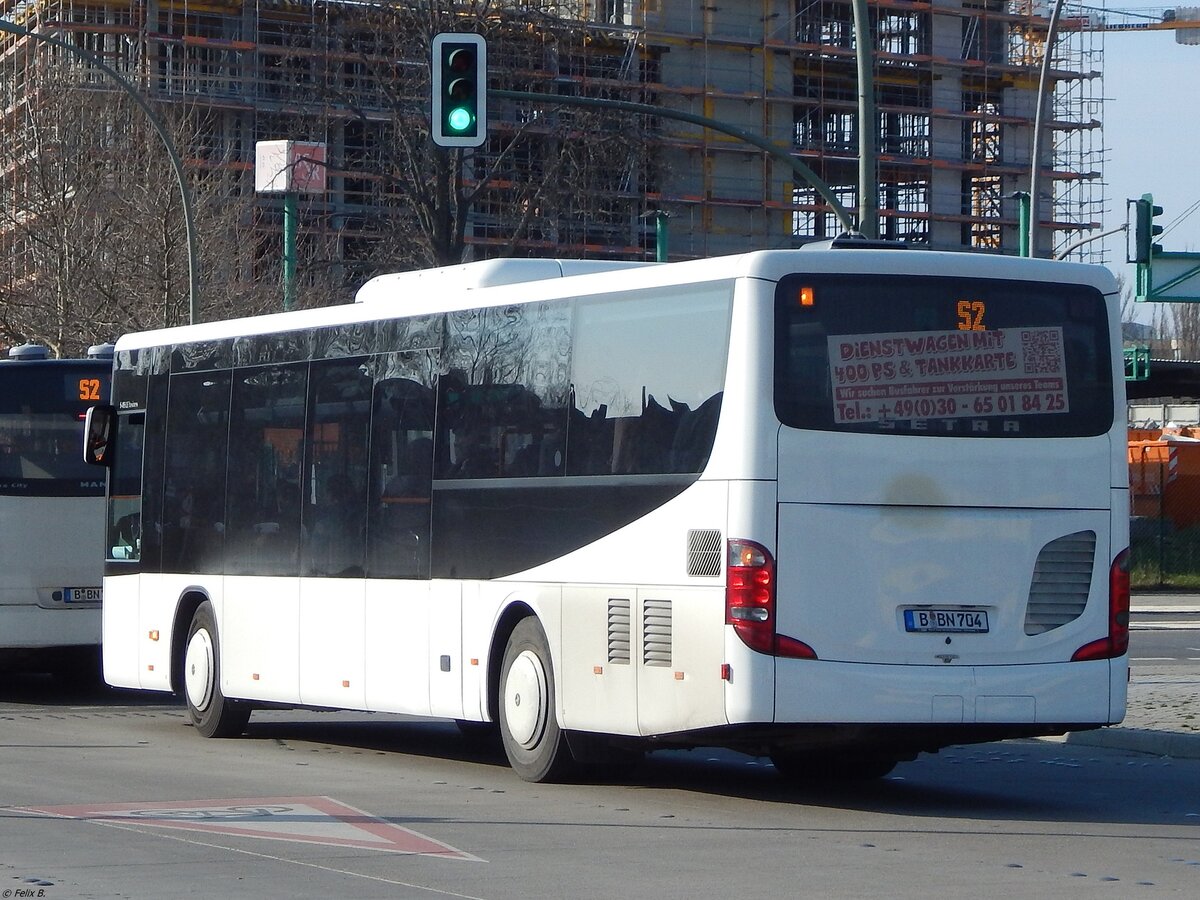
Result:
<point x="534" y="744"/>
<point x="814" y="768"/>
<point x="208" y="709"/>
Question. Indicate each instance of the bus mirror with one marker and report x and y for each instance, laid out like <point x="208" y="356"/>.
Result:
<point x="98" y="433"/>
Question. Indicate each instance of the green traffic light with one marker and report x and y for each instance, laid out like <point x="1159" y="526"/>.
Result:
<point x="459" y="119"/>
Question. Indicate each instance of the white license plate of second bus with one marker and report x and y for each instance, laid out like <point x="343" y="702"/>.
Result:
<point x="82" y="595"/>
<point x="954" y="621"/>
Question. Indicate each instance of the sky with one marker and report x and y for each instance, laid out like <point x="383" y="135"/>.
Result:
<point x="1151" y="123"/>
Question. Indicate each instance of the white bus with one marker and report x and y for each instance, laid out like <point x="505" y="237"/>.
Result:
<point x="51" y="512"/>
<point x="834" y="505"/>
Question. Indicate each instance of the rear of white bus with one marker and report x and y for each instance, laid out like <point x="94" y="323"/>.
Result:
<point x="949" y="556"/>
<point x="51" y="515"/>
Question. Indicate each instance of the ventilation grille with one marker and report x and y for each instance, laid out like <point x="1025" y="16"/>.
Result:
<point x="618" y="631"/>
<point x="656" y="632"/>
<point x="704" y="553"/>
<point x="1062" y="578"/>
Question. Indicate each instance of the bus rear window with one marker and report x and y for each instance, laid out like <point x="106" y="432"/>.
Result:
<point x="942" y="356"/>
<point x="42" y="406"/>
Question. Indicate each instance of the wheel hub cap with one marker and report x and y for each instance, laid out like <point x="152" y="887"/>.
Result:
<point x="525" y="699"/>
<point x="198" y="670"/>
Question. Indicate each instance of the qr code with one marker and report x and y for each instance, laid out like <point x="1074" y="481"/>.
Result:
<point x="1043" y="351"/>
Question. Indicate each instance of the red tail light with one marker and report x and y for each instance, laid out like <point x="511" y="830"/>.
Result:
<point x="750" y="601"/>
<point x="1117" y="642"/>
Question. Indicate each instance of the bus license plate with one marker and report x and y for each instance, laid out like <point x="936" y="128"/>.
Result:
<point x="958" y="621"/>
<point x="82" y="594"/>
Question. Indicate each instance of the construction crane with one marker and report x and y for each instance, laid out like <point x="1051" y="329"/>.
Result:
<point x="1184" y="21"/>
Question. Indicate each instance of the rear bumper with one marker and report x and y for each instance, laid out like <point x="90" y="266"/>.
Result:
<point x="1080" y="693"/>
<point x="29" y="626"/>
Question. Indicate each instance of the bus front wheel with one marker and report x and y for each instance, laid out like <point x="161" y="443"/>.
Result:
<point x="208" y="709"/>
<point x="534" y="744"/>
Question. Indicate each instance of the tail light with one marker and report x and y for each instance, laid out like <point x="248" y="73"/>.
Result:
<point x="1117" y="642"/>
<point x="750" y="601"/>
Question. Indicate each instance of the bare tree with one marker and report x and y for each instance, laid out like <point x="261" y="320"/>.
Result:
<point x="93" y="223"/>
<point x="92" y="237"/>
<point x="1184" y="319"/>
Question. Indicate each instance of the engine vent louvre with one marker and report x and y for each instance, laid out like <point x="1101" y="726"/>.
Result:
<point x="618" y="631"/>
<point x="1062" y="578"/>
<point x="656" y="632"/>
<point x="704" y="553"/>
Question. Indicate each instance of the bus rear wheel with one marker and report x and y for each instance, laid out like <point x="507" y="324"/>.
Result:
<point x="208" y="709"/>
<point x="534" y="744"/>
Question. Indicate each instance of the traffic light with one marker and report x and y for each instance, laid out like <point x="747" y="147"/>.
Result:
<point x="1145" y="229"/>
<point x="459" y="90"/>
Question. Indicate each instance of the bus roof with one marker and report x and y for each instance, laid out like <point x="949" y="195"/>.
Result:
<point x="505" y="282"/>
<point x="482" y="274"/>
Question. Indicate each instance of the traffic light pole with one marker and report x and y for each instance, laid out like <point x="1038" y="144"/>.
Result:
<point x="804" y="172"/>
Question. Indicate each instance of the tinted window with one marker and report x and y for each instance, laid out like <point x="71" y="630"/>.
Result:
<point x="193" y="500"/>
<point x="41" y="427"/>
<point x="647" y="374"/>
<point x="401" y="481"/>
<point x="335" y="470"/>
<point x="154" y="455"/>
<point x="125" y="500"/>
<point x="202" y="355"/>
<point x="503" y="403"/>
<point x="962" y="357"/>
<point x="265" y="458"/>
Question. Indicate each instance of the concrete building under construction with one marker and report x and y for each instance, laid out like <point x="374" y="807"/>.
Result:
<point x="956" y="88"/>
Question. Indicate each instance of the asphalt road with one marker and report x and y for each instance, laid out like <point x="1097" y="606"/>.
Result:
<point x="110" y="794"/>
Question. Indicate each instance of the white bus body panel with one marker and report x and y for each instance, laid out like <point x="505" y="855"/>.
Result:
<point x="121" y="633"/>
<point x="332" y="635"/>
<point x="445" y="649"/>
<point x="597" y="692"/>
<point x="37" y="562"/>
<point x="397" y="645"/>
<point x="644" y="566"/>
<point x="848" y="572"/>
<point x="1052" y="694"/>
<point x="259" y="627"/>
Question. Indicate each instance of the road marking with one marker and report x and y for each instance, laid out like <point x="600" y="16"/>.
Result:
<point x="1164" y="626"/>
<point x="310" y="820"/>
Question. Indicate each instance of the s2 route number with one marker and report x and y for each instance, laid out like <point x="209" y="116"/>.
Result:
<point x="970" y="315"/>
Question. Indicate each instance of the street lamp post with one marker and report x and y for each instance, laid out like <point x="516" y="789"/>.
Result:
<point x="1039" y="112"/>
<point x="868" y="176"/>
<point x="189" y="220"/>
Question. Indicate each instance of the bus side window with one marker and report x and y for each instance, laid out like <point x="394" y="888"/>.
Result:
<point x="503" y="404"/>
<point x="266" y="429"/>
<point x="194" y="472"/>
<point x="124" y="505"/>
<point x="334" y="514"/>
<point x="401" y="478"/>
